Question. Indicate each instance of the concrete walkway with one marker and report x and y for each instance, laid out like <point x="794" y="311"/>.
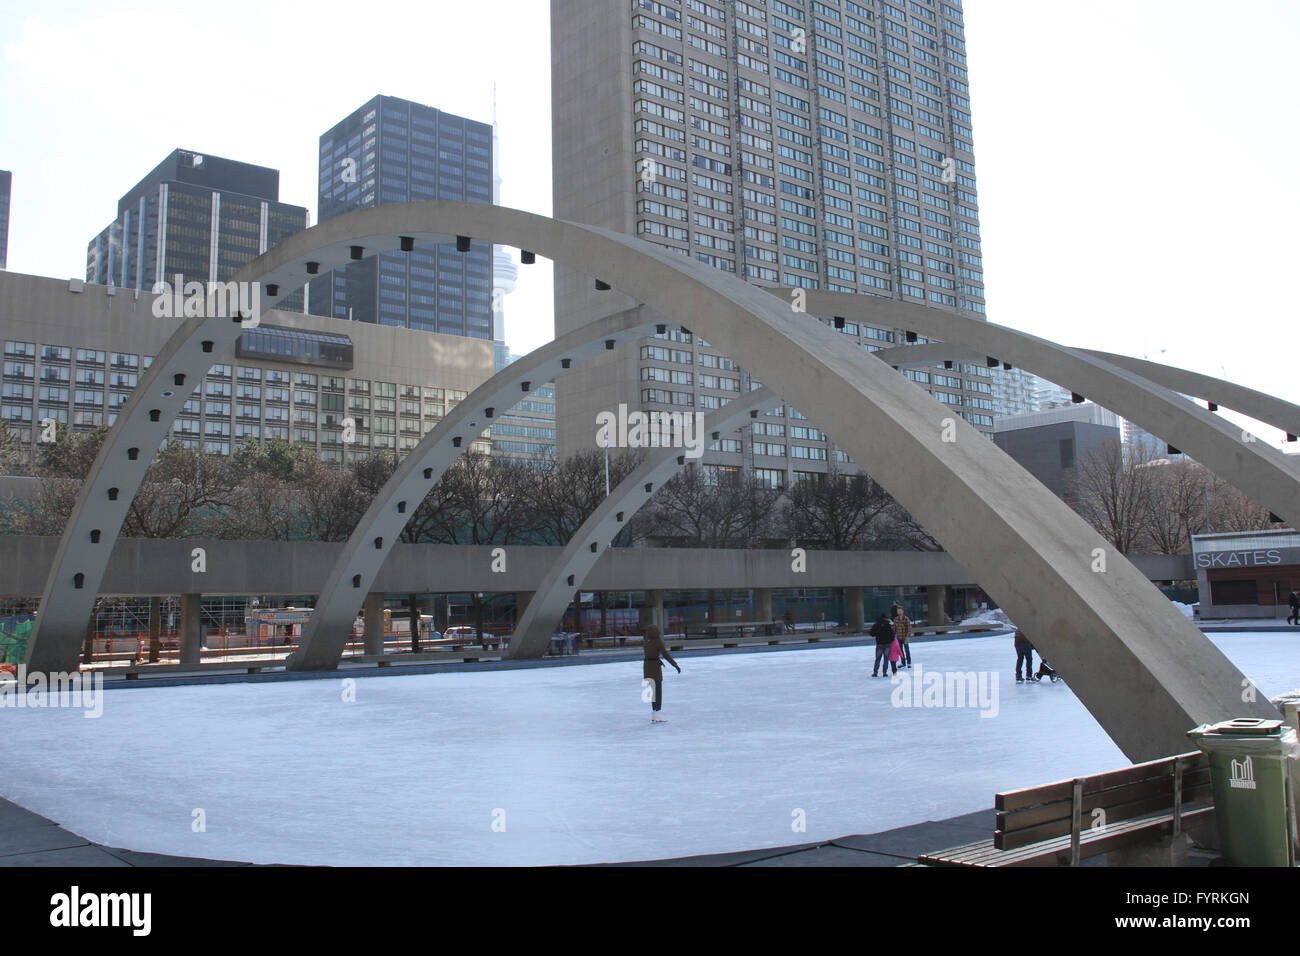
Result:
<point x="27" y="839"/>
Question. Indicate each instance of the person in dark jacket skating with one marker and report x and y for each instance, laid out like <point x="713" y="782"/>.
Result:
<point x="883" y="632"/>
<point x="654" y="647"/>
<point x="1294" y="617"/>
<point x="1025" y="653"/>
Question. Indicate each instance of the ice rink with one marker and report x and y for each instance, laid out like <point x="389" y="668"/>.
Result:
<point x="558" y="765"/>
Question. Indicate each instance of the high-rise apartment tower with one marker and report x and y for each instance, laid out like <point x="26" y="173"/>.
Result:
<point x="814" y="143"/>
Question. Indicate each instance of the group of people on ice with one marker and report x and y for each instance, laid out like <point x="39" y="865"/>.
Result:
<point x="893" y="650"/>
<point x="893" y="642"/>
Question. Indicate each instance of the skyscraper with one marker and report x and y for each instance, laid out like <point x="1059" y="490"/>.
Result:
<point x="814" y="143"/>
<point x="199" y="216"/>
<point x="6" y="183"/>
<point x="393" y="150"/>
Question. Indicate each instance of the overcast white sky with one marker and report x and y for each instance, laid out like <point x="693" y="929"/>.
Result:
<point x="1136" y="158"/>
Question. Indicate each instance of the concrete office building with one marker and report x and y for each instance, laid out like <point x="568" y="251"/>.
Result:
<point x="73" y="352"/>
<point x="393" y="150"/>
<point x="527" y="431"/>
<point x="6" y="187"/>
<point x="1049" y="443"/>
<point x="811" y="144"/>
<point x="198" y="216"/>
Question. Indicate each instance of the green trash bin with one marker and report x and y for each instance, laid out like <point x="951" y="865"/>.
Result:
<point x="1253" y="799"/>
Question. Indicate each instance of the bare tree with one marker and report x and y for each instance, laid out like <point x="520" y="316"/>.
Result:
<point x="835" y="511"/>
<point x="563" y="497"/>
<point x="1112" y="491"/>
<point x="1232" y="510"/>
<point x="713" y="509"/>
<point x="1176" y="505"/>
<point x="179" y="495"/>
<point x="900" y="531"/>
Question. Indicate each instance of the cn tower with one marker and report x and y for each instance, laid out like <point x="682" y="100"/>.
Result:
<point x="505" y="271"/>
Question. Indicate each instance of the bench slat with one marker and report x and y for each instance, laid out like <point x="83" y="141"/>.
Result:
<point x="1062" y="789"/>
<point x="1162" y="786"/>
<point x="1057" y="851"/>
<point x="1114" y="815"/>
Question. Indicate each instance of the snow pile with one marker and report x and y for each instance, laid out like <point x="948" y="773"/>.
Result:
<point x="996" y="616"/>
<point x="1189" y="610"/>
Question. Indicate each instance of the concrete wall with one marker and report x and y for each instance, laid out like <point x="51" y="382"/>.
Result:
<point x="141" y="566"/>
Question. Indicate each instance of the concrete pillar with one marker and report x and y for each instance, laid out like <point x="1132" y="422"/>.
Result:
<point x="522" y="599"/>
<point x="191" y="629"/>
<point x="762" y="604"/>
<point x="88" y="646"/>
<point x="934" y="598"/>
<point x="374" y="616"/>
<point x="853" y="601"/>
<point x="652" y="611"/>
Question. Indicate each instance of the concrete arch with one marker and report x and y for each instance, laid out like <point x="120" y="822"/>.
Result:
<point x="1262" y="407"/>
<point x="370" y="544"/>
<point x="1143" y="671"/>
<point x="1260" y="471"/>
<point x="1258" y="405"/>
<point x="548" y="603"/>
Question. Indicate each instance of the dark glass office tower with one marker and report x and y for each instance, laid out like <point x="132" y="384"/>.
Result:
<point x="201" y="216"/>
<point x="393" y="150"/>
<point x="6" y="182"/>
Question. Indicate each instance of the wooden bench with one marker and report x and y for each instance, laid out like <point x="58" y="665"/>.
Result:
<point x="734" y="629"/>
<point x="162" y="669"/>
<point x="1058" y="824"/>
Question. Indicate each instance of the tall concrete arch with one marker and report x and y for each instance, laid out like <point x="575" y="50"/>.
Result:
<point x="1248" y="401"/>
<point x="1142" y="670"/>
<point x="1262" y="472"/>
<point x="547" y="606"/>
<point x="370" y="544"/>
<point x="1262" y="407"/>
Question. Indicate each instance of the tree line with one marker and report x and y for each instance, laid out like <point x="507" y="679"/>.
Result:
<point x="1144" y="503"/>
<point x="280" y="491"/>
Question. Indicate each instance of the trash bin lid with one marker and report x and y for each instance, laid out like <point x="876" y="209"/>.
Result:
<point x="1253" y="726"/>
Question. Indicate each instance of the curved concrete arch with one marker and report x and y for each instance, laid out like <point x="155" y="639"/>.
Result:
<point x="548" y="603"/>
<point x="371" y="542"/>
<point x="1142" y="670"/>
<point x="1260" y="471"/>
<point x="1257" y="405"/>
<point x="922" y="356"/>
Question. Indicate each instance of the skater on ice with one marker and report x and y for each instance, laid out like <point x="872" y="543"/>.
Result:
<point x="903" y="632"/>
<point x="1025" y="654"/>
<point x="654" y="647"/>
<point x="883" y="632"/>
<point x="1294" y="616"/>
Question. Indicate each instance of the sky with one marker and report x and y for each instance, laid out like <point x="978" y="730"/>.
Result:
<point x="1135" y="158"/>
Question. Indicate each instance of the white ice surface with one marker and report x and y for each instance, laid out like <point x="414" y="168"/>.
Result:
<point x="412" y="772"/>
